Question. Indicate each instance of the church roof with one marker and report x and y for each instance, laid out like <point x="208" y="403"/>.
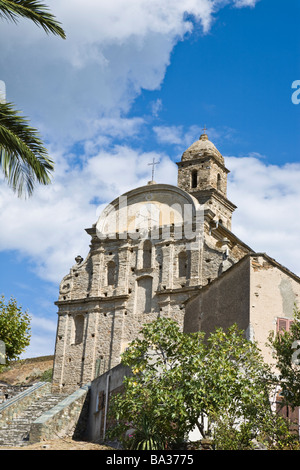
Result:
<point x="202" y="147"/>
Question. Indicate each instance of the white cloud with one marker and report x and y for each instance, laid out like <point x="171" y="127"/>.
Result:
<point x="41" y="344"/>
<point x="176" y="135"/>
<point x="44" y="324"/>
<point x="113" y="51"/>
<point x="156" y="107"/>
<point x="42" y="341"/>
<point x="245" y="3"/>
<point x="182" y="138"/>
<point x="49" y="228"/>
<point x="169" y="134"/>
<point x="268" y="200"/>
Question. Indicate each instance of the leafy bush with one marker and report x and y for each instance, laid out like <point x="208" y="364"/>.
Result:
<point x="47" y="375"/>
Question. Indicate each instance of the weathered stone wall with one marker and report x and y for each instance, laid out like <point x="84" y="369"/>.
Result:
<point x="114" y="317"/>
<point x="109" y="322"/>
<point x="10" y="391"/>
<point x="254" y="294"/>
<point x="221" y="303"/>
<point x="67" y="419"/>
<point x="93" y="331"/>
<point x="102" y="389"/>
<point x="210" y="174"/>
<point x="16" y="404"/>
<point x="274" y="292"/>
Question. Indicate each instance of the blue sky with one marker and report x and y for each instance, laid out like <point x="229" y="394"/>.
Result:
<point x="134" y="83"/>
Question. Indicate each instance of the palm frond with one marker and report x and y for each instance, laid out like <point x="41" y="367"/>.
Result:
<point x="35" y="11"/>
<point x="23" y="158"/>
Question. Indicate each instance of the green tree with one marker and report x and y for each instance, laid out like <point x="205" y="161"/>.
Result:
<point x="286" y="351"/>
<point x="23" y="157"/>
<point x="14" y="328"/>
<point x="180" y="379"/>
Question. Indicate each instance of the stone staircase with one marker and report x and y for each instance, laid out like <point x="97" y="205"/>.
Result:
<point x="14" y="431"/>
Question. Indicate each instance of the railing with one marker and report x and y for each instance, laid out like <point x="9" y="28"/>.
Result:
<point x="14" y="405"/>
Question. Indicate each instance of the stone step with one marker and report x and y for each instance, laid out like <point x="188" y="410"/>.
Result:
<point x="15" y="432"/>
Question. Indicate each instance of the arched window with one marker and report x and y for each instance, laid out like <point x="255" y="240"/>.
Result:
<point x="219" y="181"/>
<point x="111" y="273"/>
<point x="79" y="327"/>
<point x="147" y="254"/>
<point x="182" y="264"/>
<point x="194" y="181"/>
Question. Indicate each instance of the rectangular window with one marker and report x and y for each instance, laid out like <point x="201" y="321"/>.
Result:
<point x="283" y="324"/>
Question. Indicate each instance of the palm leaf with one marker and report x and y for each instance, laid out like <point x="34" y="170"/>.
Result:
<point x="33" y="10"/>
<point x="23" y="158"/>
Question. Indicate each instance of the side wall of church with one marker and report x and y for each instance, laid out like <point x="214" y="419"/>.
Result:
<point x="274" y="293"/>
<point x="221" y="303"/>
<point x="254" y="294"/>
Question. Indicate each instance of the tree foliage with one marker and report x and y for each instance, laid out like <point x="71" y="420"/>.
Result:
<point x="23" y="158"/>
<point x="180" y="381"/>
<point x="14" y="328"/>
<point x="33" y="10"/>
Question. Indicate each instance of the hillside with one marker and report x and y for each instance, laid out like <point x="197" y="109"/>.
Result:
<point x="26" y="371"/>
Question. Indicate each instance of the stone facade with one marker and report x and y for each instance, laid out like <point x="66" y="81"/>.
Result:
<point x="151" y="250"/>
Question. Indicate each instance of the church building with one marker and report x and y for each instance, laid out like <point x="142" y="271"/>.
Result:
<point x="164" y="250"/>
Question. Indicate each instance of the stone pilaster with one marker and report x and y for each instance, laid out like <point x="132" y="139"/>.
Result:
<point x="117" y="334"/>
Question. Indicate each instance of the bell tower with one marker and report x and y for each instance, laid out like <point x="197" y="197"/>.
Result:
<point x="202" y="173"/>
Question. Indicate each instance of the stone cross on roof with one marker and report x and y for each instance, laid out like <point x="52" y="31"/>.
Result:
<point x="153" y="167"/>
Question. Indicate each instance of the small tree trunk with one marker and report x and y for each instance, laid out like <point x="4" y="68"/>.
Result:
<point x="201" y="429"/>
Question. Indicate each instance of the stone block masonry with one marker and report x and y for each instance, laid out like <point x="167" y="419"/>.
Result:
<point x="15" y="405"/>
<point x="66" y="419"/>
<point x="18" y="413"/>
<point x="9" y="391"/>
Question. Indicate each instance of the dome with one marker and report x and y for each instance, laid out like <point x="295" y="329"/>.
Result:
<point x="202" y="148"/>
